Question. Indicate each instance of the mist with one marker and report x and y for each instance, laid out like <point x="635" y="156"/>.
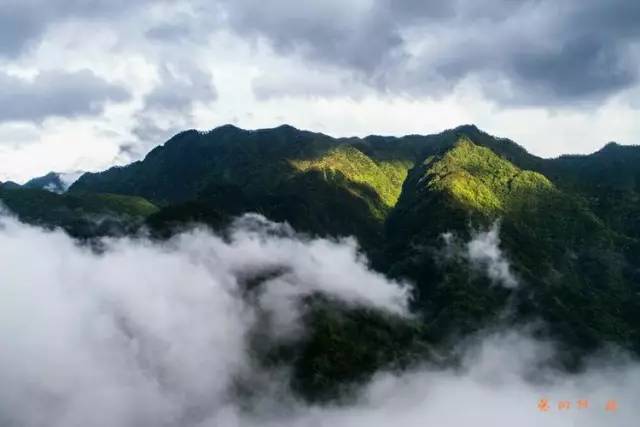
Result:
<point x="136" y="332"/>
<point x="482" y="253"/>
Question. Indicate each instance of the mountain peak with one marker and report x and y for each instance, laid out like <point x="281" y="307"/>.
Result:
<point x="609" y="146"/>
<point x="481" y="180"/>
<point x="283" y="129"/>
<point x="226" y="128"/>
<point x="9" y="185"/>
<point x="286" y="127"/>
<point x="54" y="181"/>
<point x="50" y="182"/>
<point x="471" y="128"/>
<point x="233" y="128"/>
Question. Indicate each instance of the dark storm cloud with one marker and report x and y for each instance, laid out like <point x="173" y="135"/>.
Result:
<point x="168" y="32"/>
<point x="17" y="28"/>
<point x="587" y="66"/>
<point x="23" y="23"/>
<point x="56" y="93"/>
<point x="529" y="53"/>
<point x="180" y="88"/>
<point x="360" y="34"/>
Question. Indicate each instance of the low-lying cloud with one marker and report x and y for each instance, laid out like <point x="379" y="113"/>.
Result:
<point x="483" y="254"/>
<point x="152" y="334"/>
<point x="142" y="333"/>
<point x="483" y="251"/>
<point x="493" y="387"/>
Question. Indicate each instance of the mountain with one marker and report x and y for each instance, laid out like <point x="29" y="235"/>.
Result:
<point x="575" y="271"/>
<point x="608" y="179"/>
<point x="319" y="184"/>
<point x="570" y="224"/>
<point x="9" y="185"/>
<point x="556" y="240"/>
<point x="53" y="181"/>
<point x="83" y="215"/>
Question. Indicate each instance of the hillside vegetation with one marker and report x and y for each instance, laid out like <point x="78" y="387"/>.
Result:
<point x="81" y="214"/>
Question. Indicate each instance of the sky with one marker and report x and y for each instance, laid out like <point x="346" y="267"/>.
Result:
<point x="86" y="84"/>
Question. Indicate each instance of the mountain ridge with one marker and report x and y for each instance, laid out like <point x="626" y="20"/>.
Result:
<point x="566" y="229"/>
<point x="555" y="214"/>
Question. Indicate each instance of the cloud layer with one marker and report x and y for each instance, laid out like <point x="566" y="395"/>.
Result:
<point x="153" y="334"/>
<point x="493" y="387"/>
<point x="526" y="53"/>
<point x="23" y="23"/>
<point x="144" y="333"/>
<point x="56" y="94"/>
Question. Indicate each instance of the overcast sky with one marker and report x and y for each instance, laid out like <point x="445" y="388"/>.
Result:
<point x="85" y="84"/>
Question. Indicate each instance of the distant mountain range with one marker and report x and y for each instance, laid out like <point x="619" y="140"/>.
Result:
<point x="569" y="227"/>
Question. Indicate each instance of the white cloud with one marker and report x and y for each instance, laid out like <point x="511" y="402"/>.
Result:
<point x="147" y="333"/>
<point x="483" y="252"/>
<point x="491" y="388"/>
<point x="68" y="178"/>
<point x="151" y="334"/>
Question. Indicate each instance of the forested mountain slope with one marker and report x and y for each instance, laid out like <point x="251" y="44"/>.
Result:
<point x="487" y="233"/>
